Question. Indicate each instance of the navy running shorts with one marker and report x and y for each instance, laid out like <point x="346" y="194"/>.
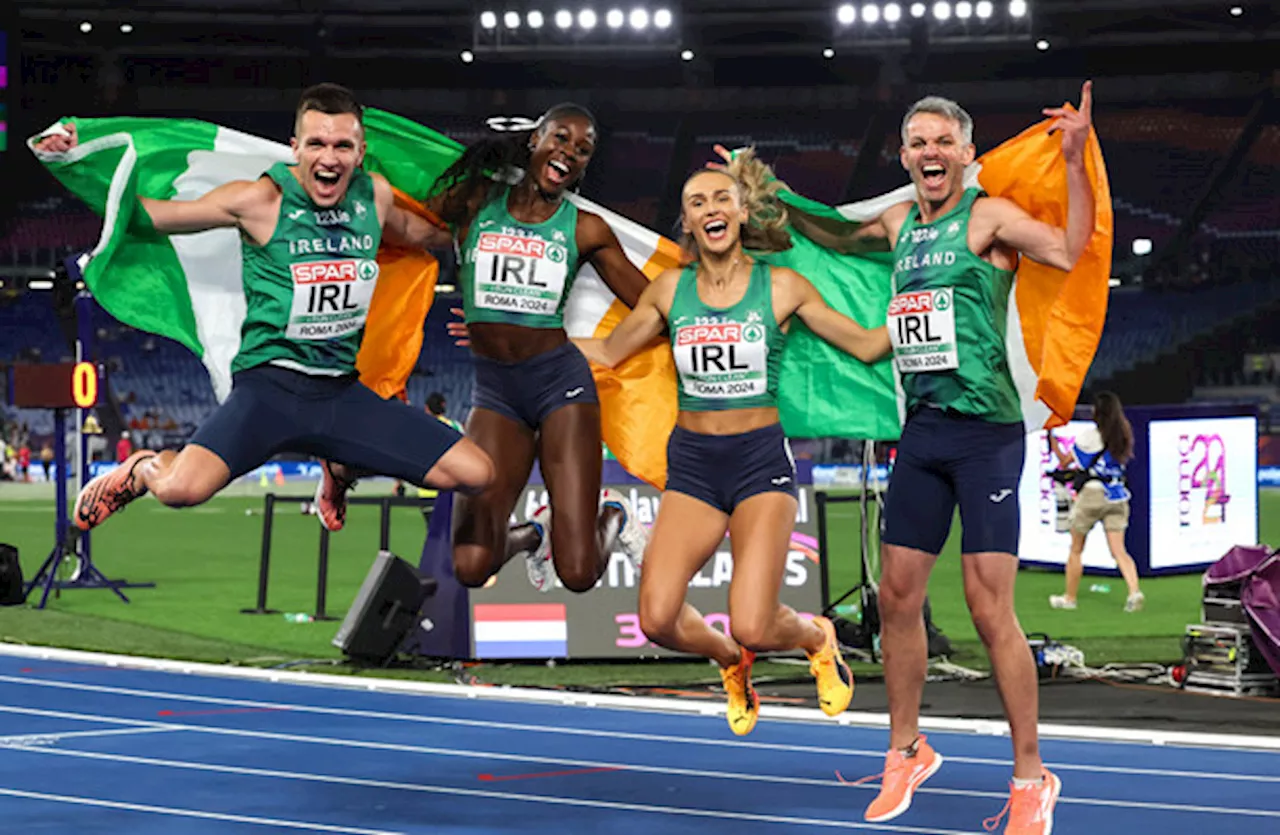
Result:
<point x="943" y="459"/>
<point x="273" y="410"/>
<point x="528" y="391"/>
<point x="726" y="470"/>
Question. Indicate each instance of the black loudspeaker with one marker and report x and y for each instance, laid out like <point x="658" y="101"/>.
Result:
<point x="384" y="611"/>
<point x="10" y="577"/>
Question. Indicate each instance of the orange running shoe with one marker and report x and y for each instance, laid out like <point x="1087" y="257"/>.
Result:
<point x="109" y="492"/>
<point x="331" y="499"/>
<point x="835" y="679"/>
<point x="902" y="776"/>
<point x="744" y="704"/>
<point x="1030" y="808"/>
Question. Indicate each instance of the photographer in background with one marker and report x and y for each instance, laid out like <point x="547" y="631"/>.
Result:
<point x="1100" y="455"/>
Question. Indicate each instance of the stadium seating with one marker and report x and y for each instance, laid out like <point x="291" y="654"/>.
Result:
<point x="29" y="331"/>
<point x="1143" y="325"/>
<point x="1248" y="210"/>
<point x="43" y="232"/>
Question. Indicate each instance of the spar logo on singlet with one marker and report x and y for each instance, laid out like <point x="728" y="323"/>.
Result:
<point x="330" y="298"/>
<point x="519" y="273"/>
<point x="722" y="359"/>
<point x="1202" y="479"/>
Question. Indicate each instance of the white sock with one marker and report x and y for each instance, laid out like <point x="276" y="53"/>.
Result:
<point x="1022" y="784"/>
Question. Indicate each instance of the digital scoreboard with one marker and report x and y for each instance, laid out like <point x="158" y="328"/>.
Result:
<point x="58" y="385"/>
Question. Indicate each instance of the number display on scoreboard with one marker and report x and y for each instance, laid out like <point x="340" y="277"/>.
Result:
<point x="59" y="385"/>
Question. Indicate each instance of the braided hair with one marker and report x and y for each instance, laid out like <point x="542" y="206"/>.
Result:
<point x="489" y="165"/>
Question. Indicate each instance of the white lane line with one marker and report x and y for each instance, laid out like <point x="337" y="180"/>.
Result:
<point x="639" y="737"/>
<point x="498" y="795"/>
<point x="472" y="753"/>
<point x="24" y="740"/>
<point x="557" y="698"/>
<point x="192" y="813"/>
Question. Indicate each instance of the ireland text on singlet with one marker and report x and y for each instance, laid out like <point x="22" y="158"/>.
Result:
<point x="519" y="273"/>
<point x="307" y="292"/>
<point x="726" y="358"/>
<point x="947" y="319"/>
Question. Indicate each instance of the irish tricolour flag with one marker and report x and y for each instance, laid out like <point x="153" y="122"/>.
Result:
<point x="188" y="287"/>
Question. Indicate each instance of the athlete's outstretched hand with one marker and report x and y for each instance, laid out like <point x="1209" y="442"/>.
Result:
<point x="724" y="154"/>
<point x="458" y="330"/>
<point x="1073" y="123"/>
<point x="59" y="143"/>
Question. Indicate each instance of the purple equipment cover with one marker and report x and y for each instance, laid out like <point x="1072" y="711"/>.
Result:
<point x="1257" y="569"/>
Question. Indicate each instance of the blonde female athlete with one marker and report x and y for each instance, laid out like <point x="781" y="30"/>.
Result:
<point x="729" y="467"/>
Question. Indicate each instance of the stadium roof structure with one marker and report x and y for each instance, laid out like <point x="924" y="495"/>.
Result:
<point x="1220" y="29"/>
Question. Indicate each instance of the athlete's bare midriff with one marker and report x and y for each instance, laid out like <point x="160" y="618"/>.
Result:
<point x="728" y="422"/>
<point x="506" y="342"/>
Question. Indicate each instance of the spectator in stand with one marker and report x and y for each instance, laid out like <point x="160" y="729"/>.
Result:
<point x="124" y="447"/>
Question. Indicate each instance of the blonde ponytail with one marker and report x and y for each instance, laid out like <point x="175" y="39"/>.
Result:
<point x="767" y="221"/>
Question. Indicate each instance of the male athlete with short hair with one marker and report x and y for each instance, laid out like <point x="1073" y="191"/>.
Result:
<point x="955" y="252"/>
<point x="309" y="237"/>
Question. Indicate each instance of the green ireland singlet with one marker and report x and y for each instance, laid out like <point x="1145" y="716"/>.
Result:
<point x="726" y="357"/>
<point x="519" y="273"/>
<point x="948" y="317"/>
<point x="307" y="291"/>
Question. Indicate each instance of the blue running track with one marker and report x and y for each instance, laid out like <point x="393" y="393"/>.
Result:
<point x="87" y="748"/>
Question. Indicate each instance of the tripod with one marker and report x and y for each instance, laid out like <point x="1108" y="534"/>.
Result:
<point x="860" y="635"/>
<point x="85" y="576"/>
<point x="863" y="635"/>
<point x="69" y="542"/>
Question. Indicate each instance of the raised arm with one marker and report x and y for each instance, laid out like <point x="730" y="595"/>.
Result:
<point x="868" y="345"/>
<point x="404" y="228"/>
<point x="600" y="247"/>
<point x="225" y="206"/>
<point x="1047" y="244"/>
<point x="645" y="322"/>
<point x="871" y="236"/>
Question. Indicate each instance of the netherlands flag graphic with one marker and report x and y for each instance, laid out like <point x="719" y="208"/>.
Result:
<point x="520" y="630"/>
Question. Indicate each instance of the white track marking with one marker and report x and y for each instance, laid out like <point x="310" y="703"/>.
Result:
<point x="25" y="740"/>
<point x="471" y="753"/>
<point x="500" y="795"/>
<point x="192" y="813"/>
<point x="553" y="729"/>
<point x="1087" y="733"/>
